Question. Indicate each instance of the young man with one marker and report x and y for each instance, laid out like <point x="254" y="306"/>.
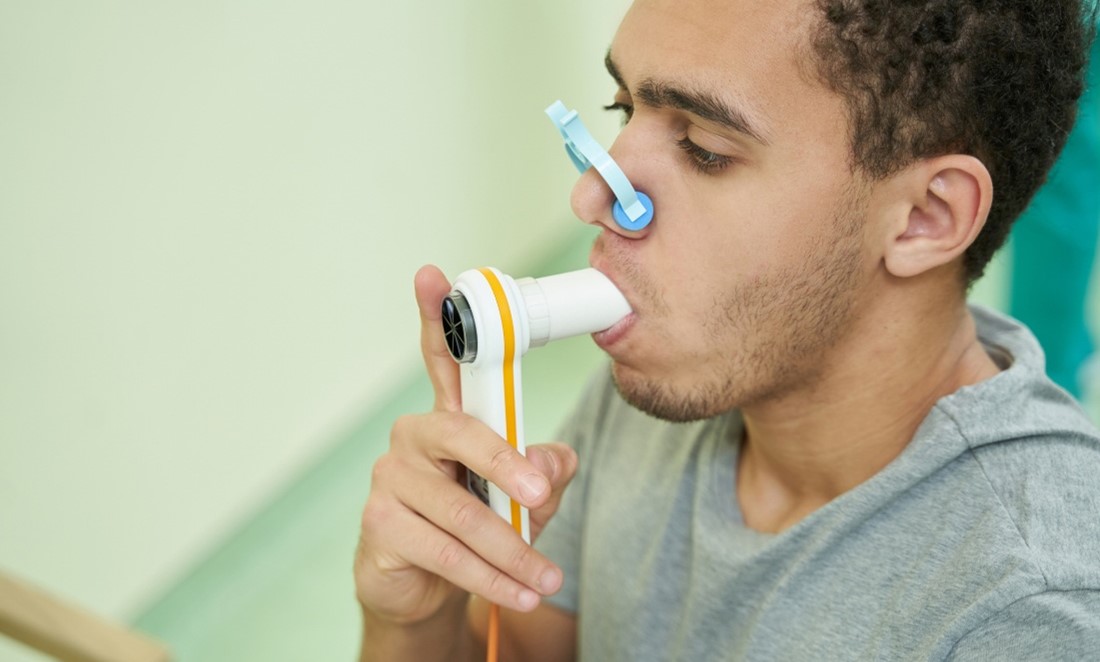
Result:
<point x="807" y="446"/>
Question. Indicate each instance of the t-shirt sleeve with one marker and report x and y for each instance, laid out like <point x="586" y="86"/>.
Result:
<point x="1054" y="625"/>
<point x="560" y="540"/>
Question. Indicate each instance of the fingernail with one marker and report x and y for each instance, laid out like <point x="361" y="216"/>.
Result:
<point x="527" y="599"/>
<point x="532" y="486"/>
<point x="549" y="581"/>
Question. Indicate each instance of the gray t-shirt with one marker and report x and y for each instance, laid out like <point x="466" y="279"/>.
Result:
<point x="981" y="541"/>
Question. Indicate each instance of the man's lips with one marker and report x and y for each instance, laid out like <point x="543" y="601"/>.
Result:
<point x="609" y="337"/>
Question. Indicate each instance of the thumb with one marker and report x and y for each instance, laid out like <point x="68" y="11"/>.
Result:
<point x="431" y="286"/>
<point x="556" y="461"/>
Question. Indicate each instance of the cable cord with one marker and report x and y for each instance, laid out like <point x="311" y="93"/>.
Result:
<point x="494" y="633"/>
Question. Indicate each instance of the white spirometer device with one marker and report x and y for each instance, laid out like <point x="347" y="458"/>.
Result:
<point x="490" y="320"/>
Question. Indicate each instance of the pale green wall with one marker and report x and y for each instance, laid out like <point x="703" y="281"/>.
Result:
<point x="210" y="214"/>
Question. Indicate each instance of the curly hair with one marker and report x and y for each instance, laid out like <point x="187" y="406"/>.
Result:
<point x="996" y="79"/>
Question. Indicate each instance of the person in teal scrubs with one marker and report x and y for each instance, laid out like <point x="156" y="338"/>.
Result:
<point x="1054" y="246"/>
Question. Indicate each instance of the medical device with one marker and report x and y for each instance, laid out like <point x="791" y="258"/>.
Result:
<point x="490" y="320"/>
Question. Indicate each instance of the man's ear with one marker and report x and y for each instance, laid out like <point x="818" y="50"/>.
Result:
<point x="945" y="202"/>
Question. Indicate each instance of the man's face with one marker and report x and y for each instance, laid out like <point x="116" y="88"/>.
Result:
<point x="752" y="268"/>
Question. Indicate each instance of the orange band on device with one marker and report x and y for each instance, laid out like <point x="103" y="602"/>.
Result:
<point x="506" y="324"/>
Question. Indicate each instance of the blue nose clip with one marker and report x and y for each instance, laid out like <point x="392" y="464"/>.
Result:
<point x="633" y="210"/>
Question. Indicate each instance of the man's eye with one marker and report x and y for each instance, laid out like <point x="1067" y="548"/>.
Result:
<point x="626" y="109"/>
<point x="703" y="160"/>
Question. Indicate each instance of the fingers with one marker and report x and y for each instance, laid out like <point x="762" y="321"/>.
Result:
<point x="422" y="544"/>
<point x="431" y="287"/>
<point x="426" y="539"/>
<point x="461" y="438"/>
<point x="419" y="516"/>
<point x="481" y="550"/>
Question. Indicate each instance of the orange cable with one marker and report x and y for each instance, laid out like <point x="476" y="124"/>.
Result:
<point x="494" y="632"/>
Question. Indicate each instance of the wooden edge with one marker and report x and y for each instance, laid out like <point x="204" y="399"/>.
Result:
<point x="69" y="633"/>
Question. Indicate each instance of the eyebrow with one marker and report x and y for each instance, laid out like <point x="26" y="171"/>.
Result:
<point x="698" y="102"/>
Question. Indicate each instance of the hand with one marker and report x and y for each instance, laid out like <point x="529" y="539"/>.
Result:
<point x="425" y="540"/>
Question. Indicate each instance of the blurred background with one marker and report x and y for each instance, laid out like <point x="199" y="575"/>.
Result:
<point x="210" y="216"/>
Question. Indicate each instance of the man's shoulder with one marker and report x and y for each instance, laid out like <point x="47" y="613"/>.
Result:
<point x="1026" y="432"/>
<point x="1030" y="628"/>
<point x="1048" y="487"/>
<point x="1037" y="457"/>
<point x="1019" y="462"/>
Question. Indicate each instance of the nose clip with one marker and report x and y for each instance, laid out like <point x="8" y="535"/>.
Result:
<point x="633" y="210"/>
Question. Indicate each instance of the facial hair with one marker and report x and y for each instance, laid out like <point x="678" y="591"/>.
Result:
<point x="769" y="335"/>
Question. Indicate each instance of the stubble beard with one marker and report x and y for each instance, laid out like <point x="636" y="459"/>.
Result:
<point x="776" y="331"/>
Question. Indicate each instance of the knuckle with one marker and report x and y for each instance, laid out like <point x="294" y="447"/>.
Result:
<point x="450" y="555"/>
<point x="520" y="557"/>
<point x="498" y="584"/>
<point x="433" y="345"/>
<point x="383" y="468"/>
<point x="374" y="517"/>
<point x="467" y="514"/>
<point x="402" y="429"/>
<point x="501" y="458"/>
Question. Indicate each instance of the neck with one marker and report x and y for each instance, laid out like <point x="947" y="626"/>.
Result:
<point x="806" y="447"/>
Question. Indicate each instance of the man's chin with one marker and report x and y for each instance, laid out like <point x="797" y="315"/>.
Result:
<point x="660" y="400"/>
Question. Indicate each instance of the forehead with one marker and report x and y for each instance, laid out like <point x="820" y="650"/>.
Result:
<point x="764" y="28"/>
<point x="752" y="51"/>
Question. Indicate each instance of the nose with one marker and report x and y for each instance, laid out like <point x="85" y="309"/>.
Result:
<point x="592" y="200"/>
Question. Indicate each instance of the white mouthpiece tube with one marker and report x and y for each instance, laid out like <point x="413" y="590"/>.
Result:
<point x="571" y="304"/>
